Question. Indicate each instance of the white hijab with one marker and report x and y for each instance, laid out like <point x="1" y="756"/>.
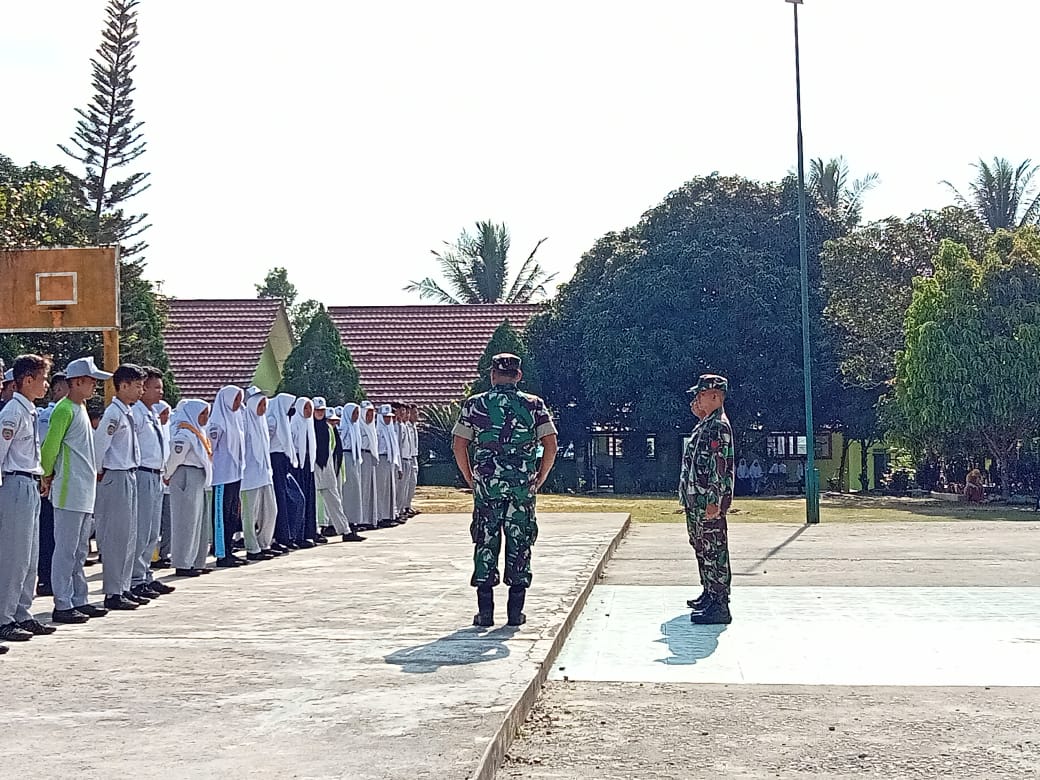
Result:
<point x="369" y="434"/>
<point x="230" y="423"/>
<point x="305" y="440"/>
<point x="185" y="418"/>
<point x="350" y="431"/>
<point x="278" y="425"/>
<point x="389" y="441"/>
<point x="258" y="440"/>
<point x="159" y="408"/>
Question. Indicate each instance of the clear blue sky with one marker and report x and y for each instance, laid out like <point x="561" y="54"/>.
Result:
<point x="344" y="140"/>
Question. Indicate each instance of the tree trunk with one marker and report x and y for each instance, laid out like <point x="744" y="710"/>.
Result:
<point x="1005" y="477"/>
<point x="845" y="442"/>
<point x="864" y="472"/>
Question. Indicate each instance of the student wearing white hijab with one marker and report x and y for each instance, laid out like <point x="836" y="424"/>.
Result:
<point x="328" y="460"/>
<point x="305" y="442"/>
<point x="227" y="435"/>
<point x="369" y="464"/>
<point x="283" y="458"/>
<point x="189" y="473"/>
<point x="389" y="467"/>
<point x="350" y="438"/>
<point x="259" y="505"/>
<point x="162" y="412"/>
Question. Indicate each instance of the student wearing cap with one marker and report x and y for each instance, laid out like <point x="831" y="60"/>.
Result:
<point x="154" y="453"/>
<point x="283" y="458"/>
<point x="705" y="492"/>
<point x="504" y="428"/>
<point x="189" y="473"/>
<point x="328" y="461"/>
<point x="70" y="479"/>
<point x="409" y="460"/>
<point x="259" y="503"/>
<point x="59" y="389"/>
<point x="226" y="432"/>
<point x="162" y="412"/>
<point x="350" y="439"/>
<point x="7" y="388"/>
<point x="117" y="456"/>
<point x="389" y="467"/>
<point x="369" y="466"/>
<point x="20" y="472"/>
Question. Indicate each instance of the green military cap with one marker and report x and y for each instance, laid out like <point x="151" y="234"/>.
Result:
<point x="504" y="361"/>
<point x="710" y="382"/>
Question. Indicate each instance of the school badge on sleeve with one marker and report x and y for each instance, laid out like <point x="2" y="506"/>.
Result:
<point x="178" y="448"/>
<point x="111" y="428"/>
<point x="8" y="433"/>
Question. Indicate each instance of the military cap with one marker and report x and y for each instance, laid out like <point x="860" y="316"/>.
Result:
<point x="710" y="382"/>
<point x="504" y="361"/>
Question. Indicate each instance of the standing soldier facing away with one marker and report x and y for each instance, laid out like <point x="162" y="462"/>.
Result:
<point x="504" y="427"/>
<point x="706" y="491"/>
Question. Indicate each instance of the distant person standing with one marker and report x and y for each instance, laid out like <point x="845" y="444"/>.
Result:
<point x="59" y="390"/>
<point x="755" y="472"/>
<point x="705" y="492"/>
<point x="504" y="428"/>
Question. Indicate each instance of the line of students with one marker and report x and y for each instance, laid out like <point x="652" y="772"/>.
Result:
<point x="245" y="471"/>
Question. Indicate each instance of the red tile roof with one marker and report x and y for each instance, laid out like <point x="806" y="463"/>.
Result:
<point x="422" y="354"/>
<point x="212" y="343"/>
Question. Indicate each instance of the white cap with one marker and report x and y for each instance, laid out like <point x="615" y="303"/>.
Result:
<point x="253" y="390"/>
<point x="319" y="402"/>
<point x="386" y="410"/>
<point x="9" y="375"/>
<point x="85" y="367"/>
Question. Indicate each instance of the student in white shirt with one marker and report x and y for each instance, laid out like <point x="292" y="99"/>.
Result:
<point x="389" y="467"/>
<point x="369" y="466"/>
<point x="327" y="462"/>
<point x="350" y="439"/>
<point x="409" y="460"/>
<point x="70" y="479"/>
<point x="163" y="411"/>
<point x="189" y="472"/>
<point x="259" y="503"/>
<point x="59" y="389"/>
<point x="150" y="438"/>
<point x="226" y="432"/>
<point x="305" y="534"/>
<point x="117" y="456"/>
<point x="20" y="471"/>
<point x="283" y="459"/>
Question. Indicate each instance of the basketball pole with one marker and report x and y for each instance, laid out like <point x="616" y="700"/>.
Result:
<point x="110" y="358"/>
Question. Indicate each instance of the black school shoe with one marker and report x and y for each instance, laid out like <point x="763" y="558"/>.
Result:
<point x="68" y="616"/>
<point x="306" y="544"/>
<point x="257" y="556"/>
<point x="12" y="632"/>
<point x="353" y="536"/>
<point x="3" y="649"/>
<point x="119" y="603"/>
<point x="321" y="540"/>
<point x="187" y="573"/>
<point x="129" y="595"/>
<point x="44" y="589"/>
<point x="162" y="563"/>
<point x="144" y="591"/>
<point x="36" y="628"/>
<point x="91" y="611"/>
<point x="161" y="588"/>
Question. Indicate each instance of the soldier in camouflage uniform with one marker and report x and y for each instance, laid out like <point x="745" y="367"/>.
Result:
<point x="503" y="428"/>
<point x="705" y="492"/>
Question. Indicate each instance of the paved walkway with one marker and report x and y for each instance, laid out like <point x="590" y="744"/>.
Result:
<point x="868" y="650"/>
<point x="351" y="660"/>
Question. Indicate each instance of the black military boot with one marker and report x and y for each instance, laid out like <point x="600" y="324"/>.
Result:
<point x="515" y="607"/>
<point x="715" y="612"/>
<point x="485" y="617"/>
<point x="698" y="603"/>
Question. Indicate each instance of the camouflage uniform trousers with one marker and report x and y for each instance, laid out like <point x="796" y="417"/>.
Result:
<point x="513" y="516"/>
<point x="710" y="542"/>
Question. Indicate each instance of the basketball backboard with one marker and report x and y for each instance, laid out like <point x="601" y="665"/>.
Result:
<point x="59" y="289"/>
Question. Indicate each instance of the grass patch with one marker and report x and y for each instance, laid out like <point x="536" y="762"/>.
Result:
<point x="834" y="508"/>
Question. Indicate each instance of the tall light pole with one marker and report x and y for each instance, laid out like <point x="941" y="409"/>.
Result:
<point x="812" y="477"/>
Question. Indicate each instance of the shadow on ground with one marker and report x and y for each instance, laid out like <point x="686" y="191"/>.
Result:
<point x="688" y="643"/>
<point x="461" y="648"/>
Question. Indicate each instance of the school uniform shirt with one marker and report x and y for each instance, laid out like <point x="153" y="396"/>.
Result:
<point x="115" y="441"/>
<point x="19" y="440"/>
<point x="150" y="438"/>
<point x="43" y="420"/>
<point x="68" y="454"/>
<point x="258" y="472"/>
<point x="409" y="441"/>
<point x="186" y="451"/>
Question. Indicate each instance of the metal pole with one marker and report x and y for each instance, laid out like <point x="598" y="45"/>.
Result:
<point x="812" y="477"/>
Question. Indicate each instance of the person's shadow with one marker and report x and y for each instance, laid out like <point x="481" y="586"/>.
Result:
<point x="466" y="646"/>
<point x="687" y="642"/>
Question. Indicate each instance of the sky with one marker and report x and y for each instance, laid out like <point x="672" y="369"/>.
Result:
<point x="344" y="140"/>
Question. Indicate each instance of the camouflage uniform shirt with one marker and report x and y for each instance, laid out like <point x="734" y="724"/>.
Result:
<point x="708" y="466"/>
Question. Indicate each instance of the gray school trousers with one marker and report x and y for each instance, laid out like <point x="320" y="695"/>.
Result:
<point x="19" y="547"/>
<point x="115" y="512"/>
<point x="369" y="491"/>
<point x="386" y="488"/>
<point x="406" y="485"/>
<point x="187" y="515"/>
<point x="351" y="491"/>
<point x="164" y="529"/>
<point x="71" y="542"/>
<point x="149" y="522"/>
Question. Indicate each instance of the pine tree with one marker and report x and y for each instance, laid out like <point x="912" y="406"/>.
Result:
<point x="506" y="339"/>
<point x="321" y="365"/>
<point x="107" y="137"/>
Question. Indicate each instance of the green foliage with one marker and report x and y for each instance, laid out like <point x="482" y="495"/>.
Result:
<point x="829" y="184"/>
<point x="1002" y="194"/>
<point x="40" y="207"/>
<point x="868" y="276"/>
<point x="435" y="431"/>
<point x="277" y="285"/>
<point x="321" y="365"/>
<point x="506" y="339"/>
<point x="476" y="269"/>
<point x="972" y="354"/>
<point x="707" y="281"/>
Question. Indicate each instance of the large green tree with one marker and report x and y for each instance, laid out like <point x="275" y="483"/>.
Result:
<point x="831" y="185"/>
<point x="1002" y="194"/>
<point x="277" y="285"/>
<point x="506" y="338"/>
<point x="321" y="365"/>
<point x="707" y="281"/>
<point x="972" y="357"/>
<point x="476" y="270"/>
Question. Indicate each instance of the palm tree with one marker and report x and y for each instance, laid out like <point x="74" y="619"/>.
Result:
<point x="829" y="183"/>
<point x="1002" y="195"/>
<point x="476" y="269"/>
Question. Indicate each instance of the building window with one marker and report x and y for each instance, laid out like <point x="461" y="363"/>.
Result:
<point x="785" y="445"/>
<point x="823" y="446"/>
<point x="615" y="447"/>
<point x="651" y="447"/>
